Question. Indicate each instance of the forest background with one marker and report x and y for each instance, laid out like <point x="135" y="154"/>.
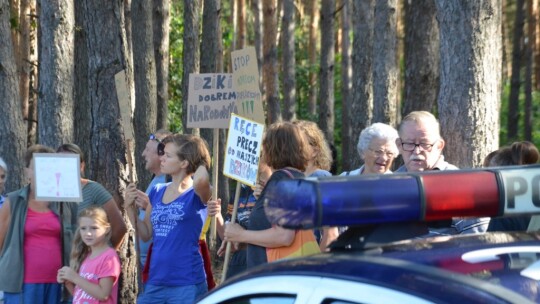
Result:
<point x="342" y="63"/>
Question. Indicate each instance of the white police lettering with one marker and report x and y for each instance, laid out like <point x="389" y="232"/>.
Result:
<point x="522" y="190"/>
<point x="166" y="217"/>
<point x="493" y="254"/>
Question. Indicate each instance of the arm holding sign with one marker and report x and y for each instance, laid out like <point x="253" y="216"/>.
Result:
<point x="201" y="184"/>
<point x="144" y="227"/>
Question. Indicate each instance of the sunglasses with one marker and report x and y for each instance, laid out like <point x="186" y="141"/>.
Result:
<point x="160" y="147"/>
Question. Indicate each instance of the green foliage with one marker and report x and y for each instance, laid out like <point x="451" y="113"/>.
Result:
<point x="504" y="116"/>
<point x="175" y="67"/>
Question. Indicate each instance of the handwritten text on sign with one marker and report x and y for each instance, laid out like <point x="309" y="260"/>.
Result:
<point x="57" y="177"/>
<point x="243" y="150"/>
<point x="211" y="100"/>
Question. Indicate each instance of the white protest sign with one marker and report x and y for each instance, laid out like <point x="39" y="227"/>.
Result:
<point x="211" y="100"/>
<point x="57" y="177"/>
<point x="243" y="150"/>
<point x="246" y="84"/>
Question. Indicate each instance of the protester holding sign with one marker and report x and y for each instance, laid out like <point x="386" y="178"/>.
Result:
<point x="94" y="194"/>
<point x="174" y="220"/>
<point x="35" y="241"/>
<point x="286" y="151"/>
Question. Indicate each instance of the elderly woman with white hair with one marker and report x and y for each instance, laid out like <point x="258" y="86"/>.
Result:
<point x="377" y="147"/>
<point x="3" y="175"/>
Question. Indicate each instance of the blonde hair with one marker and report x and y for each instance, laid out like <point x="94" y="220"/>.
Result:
<point x="79" y="250"/>
<point x="315" y="137"/>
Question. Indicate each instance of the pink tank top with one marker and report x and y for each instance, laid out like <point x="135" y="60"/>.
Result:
<point x="42" y="247"/>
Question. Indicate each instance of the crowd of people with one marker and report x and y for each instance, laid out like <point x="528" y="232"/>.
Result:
<point x="64" y="252"/>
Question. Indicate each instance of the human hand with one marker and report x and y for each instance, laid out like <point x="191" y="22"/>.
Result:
<point x="66" y="274"/>
<point x="214" y="207"/>
<point x="130" y="195"/>
<point x="233" y="232"/>
<point x="223" y="248"/>
<point x="142" y="201"/>
<point x="259" y="188"/>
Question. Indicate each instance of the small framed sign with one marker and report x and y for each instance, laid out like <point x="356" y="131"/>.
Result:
<point x="57" y="177"/>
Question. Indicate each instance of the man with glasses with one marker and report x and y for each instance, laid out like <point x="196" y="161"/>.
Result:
<point x="420" y="143"/>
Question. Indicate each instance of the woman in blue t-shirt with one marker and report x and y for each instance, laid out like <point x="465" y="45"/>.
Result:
<point x="174" y="220"/>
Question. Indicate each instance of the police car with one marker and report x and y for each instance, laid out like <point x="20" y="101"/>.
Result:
<point x="383" y="257"/>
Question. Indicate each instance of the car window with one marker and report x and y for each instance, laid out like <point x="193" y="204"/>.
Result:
<point x="263" y="299"/>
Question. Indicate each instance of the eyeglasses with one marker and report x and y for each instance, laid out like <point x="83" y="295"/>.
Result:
<point x="381" y="153"/>
<point x="160" y="146"/>
<point x="410" y="147"/>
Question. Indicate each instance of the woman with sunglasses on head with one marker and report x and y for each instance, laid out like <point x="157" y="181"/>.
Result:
<point x="174" y="220"/>
<point x="94" y="194"/>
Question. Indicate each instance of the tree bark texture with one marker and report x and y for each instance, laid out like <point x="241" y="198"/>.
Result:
<point x="211" y="32"/>
<point x="515" y="80"/>
<point x="326" y="73"/>
<point x="346" y="83"/>
<point x="385" y="67"/>
<point x="12" y="128"/>
<point x="144" y="67"/>
<point x="107" y="52"/>
<point x="56" y="74"/>
<point x="362" y="84"/>
<point x="270" y="62"/>
<point x="161" y="20"/>
<point x="190" y="51"/>
<point x="529" y="57"/>
<point x="422" y="57"/>
<point x="241" y="24"/>
<point x="312" y="55"/>
<point x="256" y="7"/>
<point x="289" y="61"/>
<point x="470" y="93"/>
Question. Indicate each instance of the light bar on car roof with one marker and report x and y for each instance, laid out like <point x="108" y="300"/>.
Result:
<point x="426" y="196"/>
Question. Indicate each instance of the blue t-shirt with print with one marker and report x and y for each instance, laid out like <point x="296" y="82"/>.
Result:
<point x="175" y="259"/>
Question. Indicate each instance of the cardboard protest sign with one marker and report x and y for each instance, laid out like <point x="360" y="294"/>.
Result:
<point x="124" y="103"/>
<point x="57" y="177"/>
<point x="243" y="150"/>
<point x="246" y="84"/>
<point x="211" y="100"/>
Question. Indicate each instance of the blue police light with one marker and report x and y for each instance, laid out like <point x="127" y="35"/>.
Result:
<point x="355" y="200"/>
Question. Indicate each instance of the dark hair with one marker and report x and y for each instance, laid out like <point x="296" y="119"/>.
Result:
<point x="192" y="148"/>
<point x="35" y="149"/>
<point x="71" y="148"/>
<point x="518" y="153"/>
<point x="285" y="145"/>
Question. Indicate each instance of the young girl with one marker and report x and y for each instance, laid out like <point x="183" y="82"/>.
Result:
<point x="174" y="219"/>
<point x="95" y="266"/>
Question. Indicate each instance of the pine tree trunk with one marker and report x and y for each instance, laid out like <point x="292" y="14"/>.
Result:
<point x="161" y="23"/>
<point x="103" y="27"/>
<point x="256" y="7"/>
<point x="12" y="128"/>
<point x="241" y="33"/>
<point x="326" y="73"/>
<point x="529" y="57"/>
<point x="421" y="57"/>
<point x="312" y="54"/>
<point x="470" y="93"/>
<point x="362" y="85"/>
<point x="515" y="84"/>
<point x="289" y="61"/>
<point x="56" y="74"/>
<point x="270" y="68"/>
<point x="144" y="68"/>
<point x="346" y="83"/>
<point x="191" y="51"/>
<point x="385" y="68"/>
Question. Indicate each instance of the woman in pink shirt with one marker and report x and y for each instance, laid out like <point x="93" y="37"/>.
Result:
<point x="35" y="238"/>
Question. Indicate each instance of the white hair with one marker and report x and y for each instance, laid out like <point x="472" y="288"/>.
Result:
<point x="377" y="130"/>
